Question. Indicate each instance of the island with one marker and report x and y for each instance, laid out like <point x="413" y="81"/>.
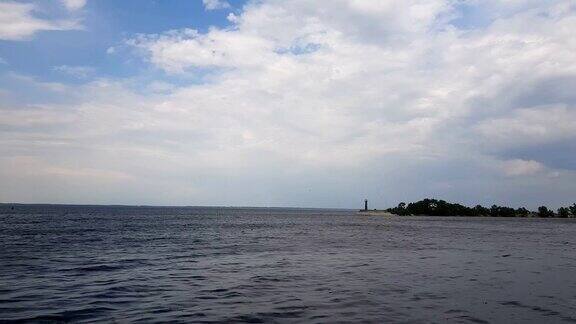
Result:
<point x="436" y="207"/>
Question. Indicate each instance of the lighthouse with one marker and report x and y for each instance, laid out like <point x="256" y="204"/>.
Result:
<point x="365" y="204"/>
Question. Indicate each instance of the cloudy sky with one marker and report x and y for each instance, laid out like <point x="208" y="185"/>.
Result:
<point x="288" y="102"/>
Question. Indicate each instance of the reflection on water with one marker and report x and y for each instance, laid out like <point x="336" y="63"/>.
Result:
<point x="281" y="265"/>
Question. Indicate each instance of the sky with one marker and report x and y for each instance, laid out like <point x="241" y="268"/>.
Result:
<point x="288" y="102"/>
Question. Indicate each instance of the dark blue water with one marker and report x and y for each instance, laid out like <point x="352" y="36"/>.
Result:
<point x="128" y="264"/>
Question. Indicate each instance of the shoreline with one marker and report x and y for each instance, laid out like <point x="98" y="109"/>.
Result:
<point x="375" y="212"/>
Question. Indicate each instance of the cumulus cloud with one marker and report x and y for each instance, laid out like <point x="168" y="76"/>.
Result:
<point x="521" y="167"/>
<point x="394" y="100"/>
<point x="80" y="72"/>
<point x="73" y="5"/>
<point x="18" y="22"/>
<point x="215" y="4"/>
<point x="536" y="125"/>
<point x="218" y="49"/>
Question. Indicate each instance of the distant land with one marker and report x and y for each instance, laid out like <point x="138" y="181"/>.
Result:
<point x="425" y="207"/>
<point x="435" y="207"/>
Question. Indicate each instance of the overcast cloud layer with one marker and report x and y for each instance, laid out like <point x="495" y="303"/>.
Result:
<point x="303" y="103"/>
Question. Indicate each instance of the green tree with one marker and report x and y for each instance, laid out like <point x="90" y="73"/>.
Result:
<point x="563" y="212"/>
<point x="507" y="212"/>
<point x="522" y="212"/>
<point x="494" y="211"/>
<point x="573" y="210"/>
<point x="544" y="212"/>
<point x="400" y="210"/>
<point x="479" y="210"/>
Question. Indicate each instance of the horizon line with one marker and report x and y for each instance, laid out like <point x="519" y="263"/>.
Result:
<point x="167" y="206"/>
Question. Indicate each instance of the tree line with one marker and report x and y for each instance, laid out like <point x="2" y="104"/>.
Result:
<point x="434" y="207"/>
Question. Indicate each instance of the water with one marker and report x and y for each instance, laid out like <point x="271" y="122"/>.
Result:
<point x="127" y="264"/>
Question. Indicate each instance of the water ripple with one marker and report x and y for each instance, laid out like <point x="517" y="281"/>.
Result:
<point x="209" y="265"/>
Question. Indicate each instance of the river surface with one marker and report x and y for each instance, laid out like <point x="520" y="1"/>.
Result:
<point x="128" y="264"/>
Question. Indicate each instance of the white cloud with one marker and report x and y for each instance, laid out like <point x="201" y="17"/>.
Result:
<point x="73" y="5"/>
<point x="215" y="4"/>
<point x="218" y="49"/>
<point x="161" y="87"/>
<point x="537" y="125"/>
<point x="366" y="93"/>
<point x="520" y="167"/>
<point x="17" y="21"/>
<point x="42" y="86"/>
<point x="81" y="72"/>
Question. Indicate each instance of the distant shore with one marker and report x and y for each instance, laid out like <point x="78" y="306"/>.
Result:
<point x="435" y="207"/>
<point x="385" y="213"/>
<point x="376" y="212"/>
